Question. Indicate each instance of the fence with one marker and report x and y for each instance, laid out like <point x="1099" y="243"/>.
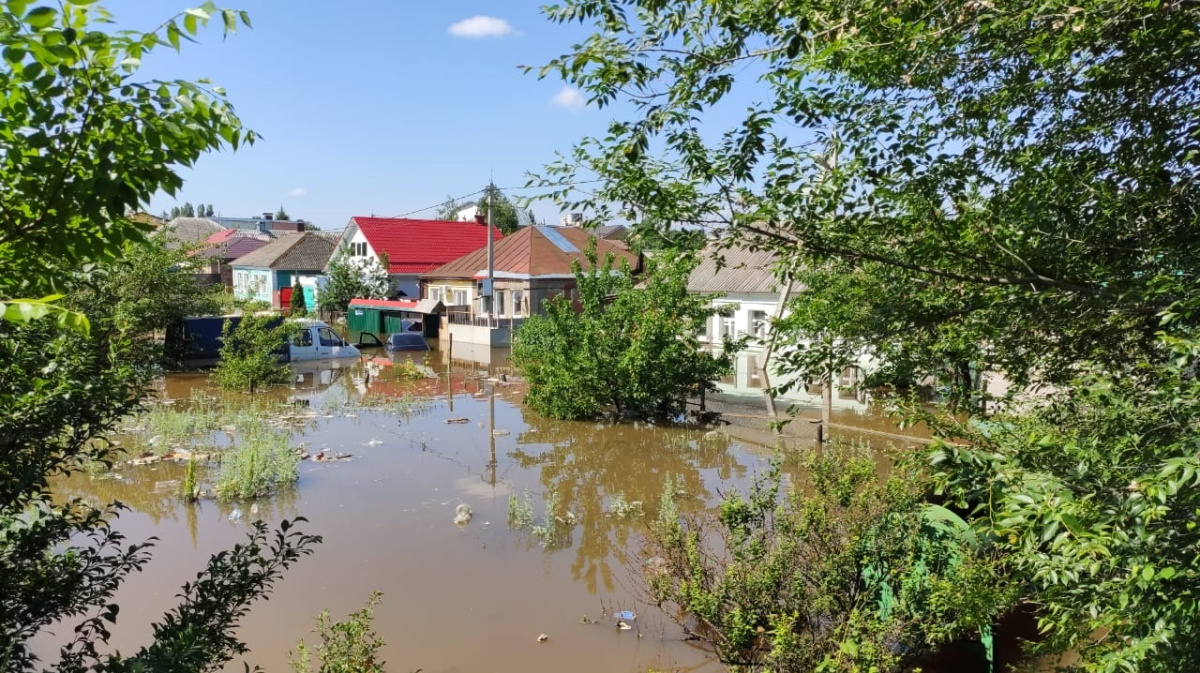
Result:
<point x="491" y="322"/>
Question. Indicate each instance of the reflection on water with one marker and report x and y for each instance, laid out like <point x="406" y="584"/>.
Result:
<point x="456" y="598"/>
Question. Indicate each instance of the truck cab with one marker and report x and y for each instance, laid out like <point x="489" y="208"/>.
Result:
<point x="314" y="340"/>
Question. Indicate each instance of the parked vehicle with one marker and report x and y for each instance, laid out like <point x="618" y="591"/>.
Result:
<point x="314" y="340"/>
<point x="196" y="341"/>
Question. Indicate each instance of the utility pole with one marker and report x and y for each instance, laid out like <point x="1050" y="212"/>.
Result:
<point x="487" y="288"/>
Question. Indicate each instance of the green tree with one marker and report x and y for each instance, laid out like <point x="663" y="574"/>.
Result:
<point x="298" y="306"/>
<point x="505" y="215"/>
<point x="208" y="211"/>
<point x="88" y="141"/>
<point x="146" y="290"/>
<point x="628" y="350"/>
<point x="281" y="214"/>
<point x="349" y="278"/>
<point x="448" y="211"/>
<point x="250" y="352"/>
<point x="1013" y="184"/>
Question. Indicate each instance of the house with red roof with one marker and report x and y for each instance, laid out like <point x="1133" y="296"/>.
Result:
<point x="528" y="267"/>
<point x="411" y="247"/>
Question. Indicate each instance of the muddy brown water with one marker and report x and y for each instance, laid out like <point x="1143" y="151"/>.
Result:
<point x="455" y="598"/>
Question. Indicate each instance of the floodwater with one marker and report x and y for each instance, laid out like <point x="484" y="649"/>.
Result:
<point x="455" y="598"/>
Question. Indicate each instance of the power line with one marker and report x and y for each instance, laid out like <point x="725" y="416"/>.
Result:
<point x="443" y="202"/>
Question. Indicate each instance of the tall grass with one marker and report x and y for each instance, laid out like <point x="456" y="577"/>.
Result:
<point x="261" y="463"/>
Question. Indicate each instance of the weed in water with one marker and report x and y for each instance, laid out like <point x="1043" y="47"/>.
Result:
<point x="345" y="646"/>
<point x="621" y="508"/>
<point x="260" y="463"/>
<point x="520" y="511"/>
<point x="189" y="481"/>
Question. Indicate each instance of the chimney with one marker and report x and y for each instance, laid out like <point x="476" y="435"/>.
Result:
<point x="268" y="216"/>
<point x="480" y="218"/>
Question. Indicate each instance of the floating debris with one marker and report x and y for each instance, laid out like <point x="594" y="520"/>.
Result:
<point x="374" y="442"/>
<point x="500" y="433"/>
<point x="623" y="626"/>
<point x="458" y="420"/>
<point x="462" y="514"/>
<point x="235" y="515"/>
<point x="625" y="614"/>
<point x="543" y="638"/>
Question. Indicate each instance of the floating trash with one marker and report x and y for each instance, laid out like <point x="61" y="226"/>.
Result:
<point x="543" y="638"/>
<point x="458" y="420"/>
<point x="623" y="626"/>
<point x="625" y="614"/>
<point x="462" y="514"/>
<point x="235" y="515"/>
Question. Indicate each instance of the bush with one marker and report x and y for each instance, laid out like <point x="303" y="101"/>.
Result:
<point x="250" y="353"/>
<point x="348" y="646"/>
<point x="847" y="572"/>
<point x="297" y="307"/>
<point x="630" y="351"/>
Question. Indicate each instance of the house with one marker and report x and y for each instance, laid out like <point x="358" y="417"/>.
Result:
<point x="411" y="247"/>
<point x="268" y="273"/>
<point x="749" y="296"/>
<point x="529" y="267"/>
<point x="188" y="231"/>
<point x="225" y="247"/>
<point x="267" y="224"/>
<point x="749" y="289"/>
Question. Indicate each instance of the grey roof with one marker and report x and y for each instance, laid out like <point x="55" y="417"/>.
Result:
<point x="612" y="232"/>
<point x="188" y="230"/>
<point x="742" y="272"/>
<point x="291" y="252"/>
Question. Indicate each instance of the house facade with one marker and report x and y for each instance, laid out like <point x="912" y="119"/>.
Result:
<point x="529" y="267"/>
<point x="268" y="273"/>
<point x="411" y="247"/>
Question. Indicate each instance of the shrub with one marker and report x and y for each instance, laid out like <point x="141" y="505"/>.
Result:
<point x="297" y="307"/>
<point x="250" y="353"/>
<point x="848" y="572"/>
<point x="348" y="646"/>
<point x="630" y="351"/>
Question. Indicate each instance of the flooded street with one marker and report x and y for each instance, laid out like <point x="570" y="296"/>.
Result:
<point x="473" y="597"/>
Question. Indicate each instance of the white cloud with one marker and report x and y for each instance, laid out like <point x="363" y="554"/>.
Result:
<point x="481" y="26"/>
<point x="298" y="191"/>
<point x="569" y="99"/>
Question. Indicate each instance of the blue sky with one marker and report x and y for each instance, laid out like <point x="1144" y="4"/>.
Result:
<point x="375" y="106"/>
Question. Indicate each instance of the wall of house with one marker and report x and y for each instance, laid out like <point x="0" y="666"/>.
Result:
<point x="443" y="289"/>
<point x="309" y="281"/>
<point x="256" y="284"/>
<point x="750" y="315"/>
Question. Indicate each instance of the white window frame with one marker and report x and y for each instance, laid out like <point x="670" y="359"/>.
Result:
<point x="462" y="297"/>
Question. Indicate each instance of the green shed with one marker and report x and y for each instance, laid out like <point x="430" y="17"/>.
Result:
<point x="381" y="317"/>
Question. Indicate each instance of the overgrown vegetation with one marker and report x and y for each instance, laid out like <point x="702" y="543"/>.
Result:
<point x="261" y="462"/>
<point x="845" y="572"/>
<point x="960" y="188"/>
<point x="88" y="141"/>
<point x="251" y="353"/>
<point x="347" y="646"/>
<point x="631" y="351"/>
<point x="297" y="307"/>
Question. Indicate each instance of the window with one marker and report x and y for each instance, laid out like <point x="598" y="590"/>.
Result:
<point x="330" y="338"/>
<point x="759" y="324"/>
<point x="302" y="338"/>
<point x="499" y="303"/>
<point x="518" y="308"/>
<point x="358" y="249"/>
<point x="436" y="293"/>
<point x="727" y="326"/>
<point x="461" y="298"/>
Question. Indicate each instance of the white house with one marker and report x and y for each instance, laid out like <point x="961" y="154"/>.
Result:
<point x="411" y="247"/>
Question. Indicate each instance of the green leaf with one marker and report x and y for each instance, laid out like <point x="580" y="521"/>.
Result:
<point x="197" y="13"/>
<point x="41" y="17"/>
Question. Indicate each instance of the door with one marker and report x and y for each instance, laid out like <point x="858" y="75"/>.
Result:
<point x="329" y="343"/>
